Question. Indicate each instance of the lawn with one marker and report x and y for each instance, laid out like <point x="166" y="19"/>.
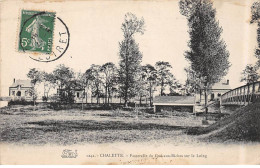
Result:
<point x="242" y="126"/>
<point x="22" y="125"/>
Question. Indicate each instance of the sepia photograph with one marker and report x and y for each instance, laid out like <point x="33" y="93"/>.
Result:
<point x="134" y="82"/>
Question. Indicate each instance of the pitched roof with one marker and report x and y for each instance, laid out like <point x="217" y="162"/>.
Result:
<point x="23" y="83"/>
<point x="174" y="99"/>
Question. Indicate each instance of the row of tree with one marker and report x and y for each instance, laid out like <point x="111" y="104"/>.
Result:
<point x="105" y="81"/>
<point x="130" y="79"/>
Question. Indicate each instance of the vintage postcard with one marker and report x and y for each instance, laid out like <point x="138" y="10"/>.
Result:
<point x="135" y="82"/>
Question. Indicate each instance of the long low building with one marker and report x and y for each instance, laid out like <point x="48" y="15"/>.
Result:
<point x="172" y="103"/>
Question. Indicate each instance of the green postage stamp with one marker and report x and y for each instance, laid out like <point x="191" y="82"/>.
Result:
<point x="36" y="31"/>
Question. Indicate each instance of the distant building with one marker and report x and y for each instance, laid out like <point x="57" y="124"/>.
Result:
<point x="21" y="89"/>
<point x="218" y="89"/>
<point x="75" y="95"/>
<point x="172" y="103"/>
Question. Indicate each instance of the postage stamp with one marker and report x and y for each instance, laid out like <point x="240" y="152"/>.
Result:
<point x="36" y="31"/>
<point x="43" y="35"/>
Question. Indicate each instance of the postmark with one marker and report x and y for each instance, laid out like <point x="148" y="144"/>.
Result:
<point x="43" y="36"/>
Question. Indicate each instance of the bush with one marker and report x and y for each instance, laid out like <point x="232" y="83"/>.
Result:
<point x="55" y="106"/>
<point x="21" y="101"/>
<point x="44" y="98"/>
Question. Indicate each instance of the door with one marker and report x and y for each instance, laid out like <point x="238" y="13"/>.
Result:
<point x="212" y="96"/>
<point x="18" y="93"/>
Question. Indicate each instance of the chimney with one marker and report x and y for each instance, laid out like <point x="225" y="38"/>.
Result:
<point x="14" y="80"/>
<point x="227" y="82"/>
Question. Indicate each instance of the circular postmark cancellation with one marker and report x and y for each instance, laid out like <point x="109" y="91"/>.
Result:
<point x="39" y="39"/>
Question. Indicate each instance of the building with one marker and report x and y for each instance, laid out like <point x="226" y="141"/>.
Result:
<point x="21" y="89"/>
<point x="172" y="103"/>
<point x="76" y="95"/>
<point x="218" y="89"/>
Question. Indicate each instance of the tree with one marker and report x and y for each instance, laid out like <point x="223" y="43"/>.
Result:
<point x="64" y="79"/>
<point x="208" y="55"/>
<point x="150" y="76"/>
<point x="108" y="77"/>
<point x="193" y="83"/>
<point x="255" y="11"/>
<point x="140" y="85"/>
<point x="93" y="76"/>
<point x="250" y="76"/>
<point x="49" y="83"/>
<point x="36" y="77"/>
<point x="130" y="56"/>
<point x="175" y="88"/>
<point x="164" y="76"/>
<point x="80" y="84"/>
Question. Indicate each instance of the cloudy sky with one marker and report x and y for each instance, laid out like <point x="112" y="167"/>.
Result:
<point x="95" y="33"/>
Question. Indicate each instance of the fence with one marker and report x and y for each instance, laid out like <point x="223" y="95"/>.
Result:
<point x="242" y="95"/>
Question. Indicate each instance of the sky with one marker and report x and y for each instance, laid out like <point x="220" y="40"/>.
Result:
<point x="95" y="33"/>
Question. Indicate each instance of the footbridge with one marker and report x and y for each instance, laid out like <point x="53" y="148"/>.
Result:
<point x="242" y="95"/>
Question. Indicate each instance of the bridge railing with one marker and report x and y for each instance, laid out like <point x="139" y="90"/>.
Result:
<point x="242" y="95"/>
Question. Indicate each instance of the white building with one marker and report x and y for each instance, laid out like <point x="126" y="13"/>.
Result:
<point x="21" y="89"/>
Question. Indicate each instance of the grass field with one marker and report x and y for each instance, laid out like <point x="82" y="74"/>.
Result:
<point x="241" y="126"/>
<point x="22" y="125"/>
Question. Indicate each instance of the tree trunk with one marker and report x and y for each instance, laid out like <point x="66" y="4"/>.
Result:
<point x="108" y="97"/>
<point x="248" y="87"/>
<point x="34" y="104"/>
<point x="150" y="95"/>
<point x="86" y="94"/>
<point x="125" y="98"/>
<point x="82" y="103"/>
<point x="106" y="94"/>
<point x="162" y="84"/>
<point x="200" y="95"/>
<point x="34" y="99"/>
<point x="127" y="73"/>
<point x="253" y="92"/>
<point x="206" y="101"/>
<point x="111" y="97"/>
<point x="140" y="100"/>
<point x="125" y="103"/>
<point x="47" y="97"/>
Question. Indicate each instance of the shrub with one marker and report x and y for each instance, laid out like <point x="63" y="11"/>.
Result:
<point x="44" y="98"/>
<point x="21" y="101"/>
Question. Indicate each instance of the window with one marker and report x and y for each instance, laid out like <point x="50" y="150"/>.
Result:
<point x="26" y="93"/>
<point x="18" y="93"/>
<point x="13" y="93"/>
<point x="77" y="94"/>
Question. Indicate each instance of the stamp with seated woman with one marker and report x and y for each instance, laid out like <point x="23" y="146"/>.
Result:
<point x="37" y="34"/>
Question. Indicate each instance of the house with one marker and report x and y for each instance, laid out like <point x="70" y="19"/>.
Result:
<point x="172" y="103"/>
<point x="21" y="89"/>
<point x="218" y="89"/>
<point x="76" y="95"/>
<point x="79" y="95"/>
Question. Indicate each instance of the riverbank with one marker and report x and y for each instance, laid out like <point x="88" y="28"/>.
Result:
<point x="241" y="125"/>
